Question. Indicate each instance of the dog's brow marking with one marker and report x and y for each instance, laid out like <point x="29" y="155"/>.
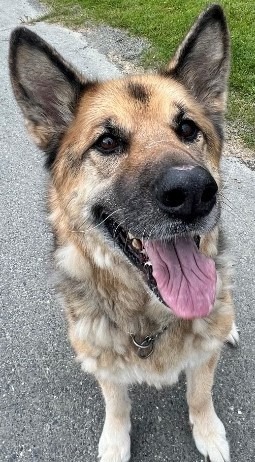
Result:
<point x="182" y="110"/>
<point x="180" y="106"/>
<point x="112" y="127"/>
<point x="138" y="92"/>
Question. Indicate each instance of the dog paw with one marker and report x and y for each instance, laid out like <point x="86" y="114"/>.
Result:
<point x="211" y="441"/>
<point x="233" y="336"/>
<point x="114" y="448"/>
<point x="114" y="454"/>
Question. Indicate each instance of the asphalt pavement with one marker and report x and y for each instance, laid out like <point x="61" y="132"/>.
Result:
<point x="50" y="410"/>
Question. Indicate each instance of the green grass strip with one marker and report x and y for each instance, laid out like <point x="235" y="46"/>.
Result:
<point x="164" y="23"/>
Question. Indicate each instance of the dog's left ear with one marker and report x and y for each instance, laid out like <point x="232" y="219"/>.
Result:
<point x="201" y="63"/>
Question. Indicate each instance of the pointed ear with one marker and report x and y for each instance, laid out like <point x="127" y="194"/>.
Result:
<point x="201" y="63"/>
<point x="45" y="86"/>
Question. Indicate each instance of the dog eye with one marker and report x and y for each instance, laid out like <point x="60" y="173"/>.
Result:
<point x="108" y="144"/>
<point x="187" y="130"/>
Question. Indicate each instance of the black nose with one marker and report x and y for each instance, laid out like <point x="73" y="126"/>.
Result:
<point x="186" y="192"/>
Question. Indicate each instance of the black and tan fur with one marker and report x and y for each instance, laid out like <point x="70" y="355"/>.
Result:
<point x="104" y="295"/>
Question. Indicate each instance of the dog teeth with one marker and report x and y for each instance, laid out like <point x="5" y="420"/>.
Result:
<point x="148" y="263"/>
<point x="136" y="243"/>
<point x="130" y="236"/>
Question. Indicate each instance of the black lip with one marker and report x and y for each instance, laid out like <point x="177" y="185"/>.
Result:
<point x="120" y="238"/>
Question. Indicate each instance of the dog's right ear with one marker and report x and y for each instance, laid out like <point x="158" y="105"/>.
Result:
<point x="201" y="63"/>
<point x="45" y="86"/>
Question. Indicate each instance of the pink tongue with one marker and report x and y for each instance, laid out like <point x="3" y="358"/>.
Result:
<point x="186" y="279"/>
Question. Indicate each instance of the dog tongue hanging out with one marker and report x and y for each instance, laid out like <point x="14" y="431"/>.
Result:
<point x="186" y="279"/>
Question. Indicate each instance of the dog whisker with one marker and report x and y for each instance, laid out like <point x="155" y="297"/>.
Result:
<point x="226" y="180"/>
<point x="226" y="199"/>
<point x="227" y="203"/>
<point x="151" y="231"/>
<point x="106" y="218"/>
<point x="76" y="231"/>
<point x="230" y="210"/>
<point x="120" y="224"/>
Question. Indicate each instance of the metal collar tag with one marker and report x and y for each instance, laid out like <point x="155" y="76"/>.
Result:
<point x="145" y="346"/>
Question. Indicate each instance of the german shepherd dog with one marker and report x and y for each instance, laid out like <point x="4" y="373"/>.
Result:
<point x="135" y="198"/>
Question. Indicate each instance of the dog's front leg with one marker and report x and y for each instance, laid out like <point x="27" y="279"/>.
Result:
<point x="114" y="445"/>
<point x="208" y="430"/>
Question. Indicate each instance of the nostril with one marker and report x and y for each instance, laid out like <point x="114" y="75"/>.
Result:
<point x="173" y="198"/>
<point x="209" y="193"/>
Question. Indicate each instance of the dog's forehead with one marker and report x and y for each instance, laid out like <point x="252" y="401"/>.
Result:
<point x="138" y="96"/>
<point x="142" y="108"/>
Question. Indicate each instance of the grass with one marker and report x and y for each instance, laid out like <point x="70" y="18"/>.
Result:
<point x="164" y="23"/>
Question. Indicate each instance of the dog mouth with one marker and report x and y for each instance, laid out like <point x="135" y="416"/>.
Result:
<point x="176" y="272"/>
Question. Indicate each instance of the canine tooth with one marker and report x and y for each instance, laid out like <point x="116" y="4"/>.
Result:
<point x="130" y="236"/>
<point x="148" y="263"/>
<point x="136" y="243"/>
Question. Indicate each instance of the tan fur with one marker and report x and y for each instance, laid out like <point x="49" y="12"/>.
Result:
<point x="106" y="297"/>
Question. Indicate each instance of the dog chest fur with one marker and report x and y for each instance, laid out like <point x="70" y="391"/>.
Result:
<point x="107" y="351"/>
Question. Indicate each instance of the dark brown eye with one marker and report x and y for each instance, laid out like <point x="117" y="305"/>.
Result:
<point x="187" y="130"/>
<point x="107" y="144"/>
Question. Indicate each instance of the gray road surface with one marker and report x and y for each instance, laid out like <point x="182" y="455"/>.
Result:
<point x="50" y="410"/>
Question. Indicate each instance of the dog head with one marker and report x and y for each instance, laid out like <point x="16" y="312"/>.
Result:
<point x="137" y="158"/>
